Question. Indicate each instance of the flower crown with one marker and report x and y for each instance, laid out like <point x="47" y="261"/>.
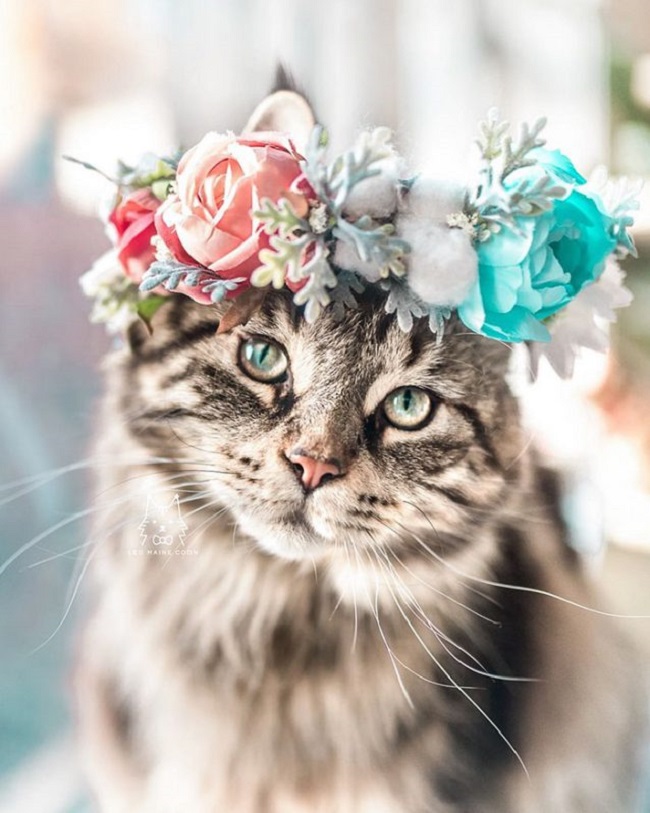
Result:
<point x="522" y="254"/>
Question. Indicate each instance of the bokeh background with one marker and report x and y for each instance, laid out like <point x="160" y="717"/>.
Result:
<point x="110" y="79"/>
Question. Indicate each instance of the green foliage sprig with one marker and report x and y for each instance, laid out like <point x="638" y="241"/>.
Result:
<point x="300" y="247"/>
<point x="496" y="204"/>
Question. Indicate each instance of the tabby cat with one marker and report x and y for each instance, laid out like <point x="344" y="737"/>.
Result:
<point x="357" y="619"/>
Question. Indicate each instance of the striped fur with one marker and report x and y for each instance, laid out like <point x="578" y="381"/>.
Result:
<point x="355" y="650"/>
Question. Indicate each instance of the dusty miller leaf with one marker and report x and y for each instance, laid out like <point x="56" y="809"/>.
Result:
<point x="343" y="295"/>
<point x="517" y="156"/>
<point x="491" y="135"/>
<point x="170" y="274"/>
<point x="620" y="198"/>
<point x="283" y="260"/>
<point x="407" y="306"/>
<point x="149" y="169"/>
<point x="495" y="206"/>
<point x="218" y="289"/>
<point x="280" y="218"/>
<point x="314" y="295"/>
<point x="334" y="181"/>
<point x="374" y="243"/>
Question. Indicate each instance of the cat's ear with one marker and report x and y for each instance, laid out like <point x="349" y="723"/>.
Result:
<point x="284" y="111"/>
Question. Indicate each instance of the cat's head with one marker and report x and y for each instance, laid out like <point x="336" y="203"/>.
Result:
<point x="326" y="437"/>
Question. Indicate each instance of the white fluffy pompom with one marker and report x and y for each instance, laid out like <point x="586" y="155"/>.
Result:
<point x="376" y="196"/>
<point x="442" y="264"/>
<point x="346" y="257"/>
<point x="433" y="199"/>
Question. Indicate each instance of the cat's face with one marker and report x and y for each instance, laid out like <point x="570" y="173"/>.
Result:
<point x="328" y="438"/>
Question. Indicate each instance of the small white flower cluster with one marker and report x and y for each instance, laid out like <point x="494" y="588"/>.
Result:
<point x="584" y="322"/>
<point x="115" y="297"/>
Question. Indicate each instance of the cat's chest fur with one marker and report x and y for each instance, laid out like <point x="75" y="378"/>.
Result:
<point x="244" y="684"/>
<point x="288" y="697"/>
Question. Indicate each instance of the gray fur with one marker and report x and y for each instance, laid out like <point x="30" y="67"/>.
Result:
<point x="353" y="650"/>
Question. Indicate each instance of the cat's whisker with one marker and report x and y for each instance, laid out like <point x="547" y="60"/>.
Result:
<point x="442" y="593"/>
<point x="34" y="541"/>
<point x="52" y="474"/>
<point x="339" y="601"/>
<point x="414" y="605"/>
<point x="186" y="443"/>
<point x="64" y="523"/>
<point x="523" y="588"/>
<point x="437" y="683"/>
<point x="436" y="590"/>
<point x="463" y="691"/>
<point x="27" y="485"/>
<point x="195" y="532"/>
<point x="375" y="612"/>
<point x="391" y="574"/>
<point x="421" y="614"/>
<point x="354" y="596"/>
<point x="440" y="559"/>
<point x="70" y="601"/>
<point x="166" y="476"/>
<point x="524" y="449"/>
<point x="444" y="639"/>
<point x="93" y="463"/>
<point x="60" y="555"/>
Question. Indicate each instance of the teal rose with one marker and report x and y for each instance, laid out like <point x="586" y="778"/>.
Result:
<point x="526" y="275"/>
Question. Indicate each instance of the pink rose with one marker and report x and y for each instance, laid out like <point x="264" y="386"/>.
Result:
<point x="220" y="183"/>
<point x="133" y="220"/>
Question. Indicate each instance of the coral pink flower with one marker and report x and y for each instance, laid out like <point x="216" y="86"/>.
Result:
<point x="133" y="221"/>
<point x="220" y="183"/>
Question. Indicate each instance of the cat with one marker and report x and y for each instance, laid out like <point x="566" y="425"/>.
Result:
<point x="376" y="636"/>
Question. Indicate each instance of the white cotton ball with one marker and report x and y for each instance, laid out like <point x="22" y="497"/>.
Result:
<point x="434" y="199"/>
<point x="376" y="196"/>
<point x="442" y="264"/>
<point x="346" y="257"/>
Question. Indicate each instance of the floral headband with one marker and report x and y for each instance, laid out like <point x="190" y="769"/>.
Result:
<point x="522" y="254"/>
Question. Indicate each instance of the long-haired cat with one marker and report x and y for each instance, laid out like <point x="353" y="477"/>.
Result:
<point x="366" y="624"/>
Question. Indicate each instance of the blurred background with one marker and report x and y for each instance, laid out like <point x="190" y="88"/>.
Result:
<point x="104" y="80"/>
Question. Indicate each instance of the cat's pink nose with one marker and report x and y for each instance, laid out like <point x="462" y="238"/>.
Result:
<point x="312" y="472"/>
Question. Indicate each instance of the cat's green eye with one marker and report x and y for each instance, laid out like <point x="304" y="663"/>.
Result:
<point x="408" y="408"/>
<point x="263" y="360"/>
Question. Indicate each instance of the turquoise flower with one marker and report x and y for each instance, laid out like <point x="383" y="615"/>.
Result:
<point x="528" y="273"/>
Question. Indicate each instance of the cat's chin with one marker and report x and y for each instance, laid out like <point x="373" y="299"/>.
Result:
<point x="292" y="539"/>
